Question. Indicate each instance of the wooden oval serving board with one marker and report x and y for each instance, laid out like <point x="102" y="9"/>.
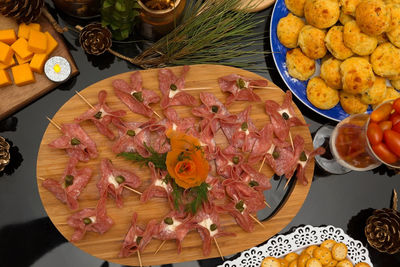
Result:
<point x="51" y="164"/>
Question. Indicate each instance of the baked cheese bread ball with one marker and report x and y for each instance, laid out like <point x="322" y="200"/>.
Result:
<point x="349" y="6"/>
<point x="334" y="43"/>
<point x="330" y="73"/>
<point x="299" y="65"/>
<point x="372" y="17"/>
<point x="344" y="18"/>
<point x="321" y="13"/>
<point x="376" y="93"/>
<point x="357" y="75"/>
<point x="344" y="263"/>
<point x="321" y="95"/>
<point x="360" y="43"/>
<point x="311" y="42"/>
<point x="362" y="264"/>
<point x="352" y="104"/>
<point x="393" y="32"/>
<point x="382" y="38"/>
<point x="288" y="30"/>
<point x="270" y="262"/>
<point x="296" y="7"/>
<point x="391" y="94"/>
<point x="385" y="60"/>
<point x="395" y="84"/>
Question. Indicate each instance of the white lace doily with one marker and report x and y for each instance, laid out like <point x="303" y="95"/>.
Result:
<point x="296" y="241"/>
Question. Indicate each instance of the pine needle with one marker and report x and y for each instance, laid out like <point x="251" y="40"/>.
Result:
<point x="214" y="32"/>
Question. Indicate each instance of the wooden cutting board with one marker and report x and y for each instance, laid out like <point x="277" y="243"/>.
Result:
<point x="17" y="97"/>
<point x="51" y="164"/>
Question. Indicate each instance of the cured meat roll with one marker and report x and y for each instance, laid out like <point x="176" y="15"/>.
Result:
<point x="76" y="143"/>
<point x="71" y="184"/>
<point x="101" y="115"/>
<point x="113" y="181"/>
<point x="134" y="96"/>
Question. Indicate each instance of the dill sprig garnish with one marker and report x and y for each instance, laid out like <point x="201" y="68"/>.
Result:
<point x="199" y="193"/>
<point x="158" y="159"/>
<point x="213" y="32"/>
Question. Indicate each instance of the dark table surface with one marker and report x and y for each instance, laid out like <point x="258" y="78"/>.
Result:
<point x="28" y="238"/>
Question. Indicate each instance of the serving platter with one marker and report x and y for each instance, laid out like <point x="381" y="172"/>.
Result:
<point x="51" y="164"/>
<point x="297" y="87"/>
<point x="296" y="241"/>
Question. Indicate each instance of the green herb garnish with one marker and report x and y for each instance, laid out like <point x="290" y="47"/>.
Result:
<point x="75" y="141"/>
<point x="241" y="83"/>
<point x="182" y="156"/>
<point x="156" y="158"/>
<point x="199" y="193"/>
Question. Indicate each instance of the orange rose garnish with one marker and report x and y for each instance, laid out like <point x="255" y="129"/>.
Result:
<point x="185" y="162"/>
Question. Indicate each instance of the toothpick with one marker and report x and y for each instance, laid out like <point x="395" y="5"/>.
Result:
<point x="266" y="203"/>
<point x="219" y="250"/>
<point x="291" y="140"/>
<point x="195" y="88"/>
<point x="265" y="87"/>
<point x="41" y="178"/>
<point x="157" y="114"/>
<point x="256" y="220"/>
<point x="262" y="164"/>
<point x="54" y="123"/>
<point x="287" y="183"/>
<point x="133" y="190"/>
<point x="140" y="259"/>
<point x="84" y="99"/>
<point x="162" y="244"/>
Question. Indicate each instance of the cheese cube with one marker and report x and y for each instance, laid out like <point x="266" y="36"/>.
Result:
<point x="37" y="42"/>
<point x="6" y="53"/>
<point x="22" y="74"/>
<point x="24" y="30"/>
<point x="51" y="43"/>
<point x="6" y="65"/>
<point x="4" y="78"/>
<point x="8" y="36"/>
<point x="37" y="62"/>
<point x="23" y="61"/>
<point x="20" y="47"/>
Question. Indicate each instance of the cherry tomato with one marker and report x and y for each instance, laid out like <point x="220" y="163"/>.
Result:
<point x="396" y="128"/>
<point x="392" y="140"/>
<point x="382" y="113"/>
<point x="384" y="153"/>
<point x="396" y="105"/>
<point x="394" y="118"/>
<point x="385" y="125"/>
<point x="374" y="133"/>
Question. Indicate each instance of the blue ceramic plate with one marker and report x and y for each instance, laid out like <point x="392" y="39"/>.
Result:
<point x="297" y="87"/>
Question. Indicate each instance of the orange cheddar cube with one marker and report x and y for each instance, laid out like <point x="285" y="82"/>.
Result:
<point x="51" y="43"/>
<point x="4" y="78"/>
<point x="22" y="74"/>
<point x="6" y="53"/>
<point x="37" y="62"/>
<point x="20" y="47"/>
<point x="8" y="36"/>
<point x="37" y="42"/>
<point x="6" y="65"/>
<point x="24" y="29"/>
<point x="23" y="61"/>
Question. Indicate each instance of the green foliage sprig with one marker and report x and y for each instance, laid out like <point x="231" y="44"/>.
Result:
<point x="156" y="158"/>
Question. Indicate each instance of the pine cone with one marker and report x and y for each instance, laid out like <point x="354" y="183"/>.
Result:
<point x="4" y="153"/>
<point x="95" y="39"/>
<point x="23" y="10"/>
<point x="383" y="230"/>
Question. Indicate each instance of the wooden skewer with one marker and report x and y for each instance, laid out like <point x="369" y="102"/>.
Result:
<point x="157" y="114"/>
<point x="140" y="259"/>
<point x="133" y="190"/>
<point x="41" y="178"/>
<point x="291" y="140"/>
<point x="54" y="123"/>
<point x="262" y="164"/>
<point x="287" y="183"/>
<point x="256" y="220"/>
<point x="219" y="250"/>
<point x="265" y="87"/>
<point x="84" y="99"/>
<point x="162" y="244"/>
<point x="195" y="88"/>
<point x="266" y="203"/>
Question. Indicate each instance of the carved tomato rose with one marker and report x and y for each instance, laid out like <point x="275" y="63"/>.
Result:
<point x="185" y="162"/>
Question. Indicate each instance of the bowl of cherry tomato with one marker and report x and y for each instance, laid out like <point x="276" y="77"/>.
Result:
<point x="383" y="133"/>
